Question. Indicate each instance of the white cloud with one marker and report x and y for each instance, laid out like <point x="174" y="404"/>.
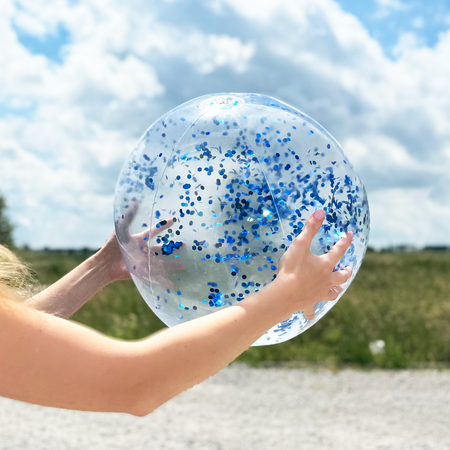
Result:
<point x="407" y="42"/>
<point x="38" y="18"/>
<point x="378" y="158"/>
<point x="391" y="4"/>
<point x="219" y="51"/>
<point x="129" y="62"/>
<point x="418" y="22"/>
<point x="386" y="8"/>
<point x="407" y="216"/>
<point x="260" y="10"/>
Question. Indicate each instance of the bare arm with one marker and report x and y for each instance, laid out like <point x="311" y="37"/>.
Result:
<point x="54" y="362"/>
<point x="71" y="292"/>
<point x="58" y="363"/>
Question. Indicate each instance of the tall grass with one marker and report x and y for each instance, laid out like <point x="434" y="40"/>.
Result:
<point x="402" y="299"/>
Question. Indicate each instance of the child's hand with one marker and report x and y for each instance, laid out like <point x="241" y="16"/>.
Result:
<point x="304" y="279"/>
<point x="138" y="246"/>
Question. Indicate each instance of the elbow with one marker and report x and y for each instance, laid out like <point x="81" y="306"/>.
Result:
<point x="141" y="401"/>
<point x="142" y="409"/>
<point x="138" y="413"/>
<point x="138" y="389"/>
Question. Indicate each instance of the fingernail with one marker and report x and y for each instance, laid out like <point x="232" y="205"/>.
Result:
<point x="319" y="214"/>
<point x="349" y="234"/>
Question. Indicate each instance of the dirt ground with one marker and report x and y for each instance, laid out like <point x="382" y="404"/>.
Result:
<point x="257" y="409"/>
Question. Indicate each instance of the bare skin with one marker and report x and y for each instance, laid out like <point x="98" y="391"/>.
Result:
<point x="71" y="292"/>
<point x="57" y="363"/>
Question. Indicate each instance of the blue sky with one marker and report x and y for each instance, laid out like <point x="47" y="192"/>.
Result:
<point x="81" y="81"/>
<point x="386" y="21"/>
<point x="50" y="45"/>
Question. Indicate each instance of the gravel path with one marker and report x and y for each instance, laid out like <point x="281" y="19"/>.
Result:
<point x="244" y="408"/>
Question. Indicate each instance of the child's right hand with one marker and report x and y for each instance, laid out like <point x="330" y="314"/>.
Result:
<point x="304" y="279"/>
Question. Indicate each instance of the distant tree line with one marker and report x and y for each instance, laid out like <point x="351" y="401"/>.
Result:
<point x="6" y="227"/>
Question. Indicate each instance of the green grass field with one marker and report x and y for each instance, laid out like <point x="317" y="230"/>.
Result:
<point x="400" y="298"/>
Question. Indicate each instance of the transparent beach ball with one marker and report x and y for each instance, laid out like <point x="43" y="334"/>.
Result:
<point x="215" y="192"/>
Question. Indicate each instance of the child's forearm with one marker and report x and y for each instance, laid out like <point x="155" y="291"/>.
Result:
<point x="71" y="292"/>
<point x="193" y="351"/>
<point x="58" y="363"/>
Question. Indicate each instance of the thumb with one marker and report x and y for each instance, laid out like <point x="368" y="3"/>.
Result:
<point x="309" y="313"/>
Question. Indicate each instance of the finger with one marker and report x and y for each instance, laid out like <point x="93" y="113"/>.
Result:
<point x="123" y="226"/>
<point x="122" y="231"/>
<point x="127" y="219"/>
<point x="140" y="270"/>
<point x="178" y="265"/>
<point x="163" y="282"/>
<point x="156" y="250"/>
<point x="334" y="293"/>
<point x="338" y="250"/>
<point x="311" y="228"/>
<point x="341" y="276"/>
<point x="162" y="269"/>
<point x="155" y="230"/>
<point x="159" y="227"/>
<point x="309" y="313"/>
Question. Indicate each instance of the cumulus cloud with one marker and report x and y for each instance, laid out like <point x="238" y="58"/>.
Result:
<point x="68" y="125"/>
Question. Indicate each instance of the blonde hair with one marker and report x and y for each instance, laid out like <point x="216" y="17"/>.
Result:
<point x="15" y="277"/>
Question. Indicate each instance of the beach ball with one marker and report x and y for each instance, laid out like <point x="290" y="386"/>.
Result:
<point x="215" y="192"/>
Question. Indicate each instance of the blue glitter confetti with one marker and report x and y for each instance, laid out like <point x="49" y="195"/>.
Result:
<point x="239" y="185"/>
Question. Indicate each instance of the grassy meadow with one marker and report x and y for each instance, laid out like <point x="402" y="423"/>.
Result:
<point x="400" y="298"/>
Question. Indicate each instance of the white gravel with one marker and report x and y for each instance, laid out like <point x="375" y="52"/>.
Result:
<point x="244" y="408"/>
